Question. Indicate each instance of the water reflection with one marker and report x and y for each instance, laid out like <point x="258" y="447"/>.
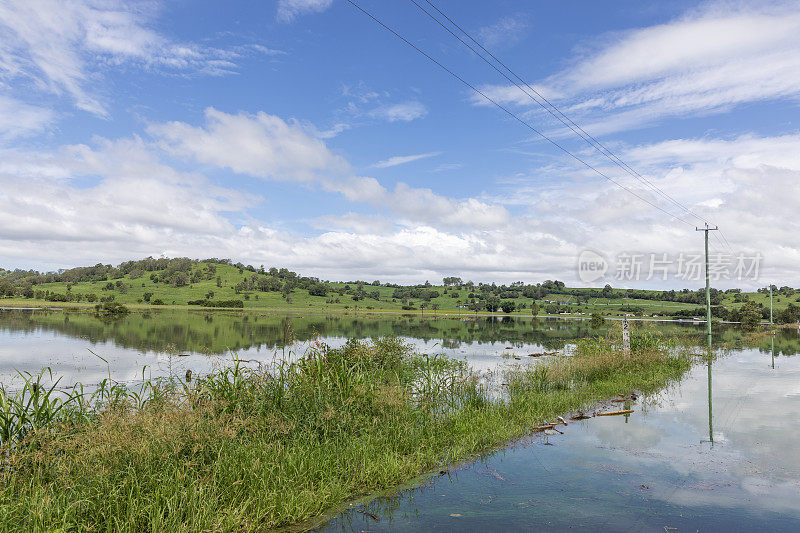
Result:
<point x="171" y="342"/>
<point x="713" y="453"/>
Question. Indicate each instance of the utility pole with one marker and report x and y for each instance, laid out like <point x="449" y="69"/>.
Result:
<point x="708" y="286"/>
<point x="770" y="304"/>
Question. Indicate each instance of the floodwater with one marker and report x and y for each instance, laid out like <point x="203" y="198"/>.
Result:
<point x="78" y="346"/>
<point x="719" y="451"/>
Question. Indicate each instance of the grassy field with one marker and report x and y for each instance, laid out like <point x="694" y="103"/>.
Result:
<point x="141" y="291"/>
<point x="245" y="450"/>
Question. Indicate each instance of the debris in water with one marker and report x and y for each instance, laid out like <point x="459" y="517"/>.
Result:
<point x="562" y="421"/>
<point x="456" y="515"/>
<point x="374" y="517"/>
<point x="580" y="416"/>
<point x="645" y="487"/>
<point x="614" y="413"/>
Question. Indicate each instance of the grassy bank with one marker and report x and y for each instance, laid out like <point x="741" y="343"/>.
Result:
<point x="247" y="450"/>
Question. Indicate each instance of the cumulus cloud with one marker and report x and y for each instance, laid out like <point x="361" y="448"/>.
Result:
<point x="746" y="185"/>
<point x="261" y="145"/>
<point x="61" y="46"/>
<point x="112" y="200"/>
<point x="87" y="201"/>
<point x="266" y="146"/>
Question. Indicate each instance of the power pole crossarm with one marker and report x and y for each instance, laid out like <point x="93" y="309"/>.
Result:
<point x="708" y="286"/>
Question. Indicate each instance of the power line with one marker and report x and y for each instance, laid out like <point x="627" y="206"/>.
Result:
<point x="550" y="107"/>
<point x="514" y="115"/>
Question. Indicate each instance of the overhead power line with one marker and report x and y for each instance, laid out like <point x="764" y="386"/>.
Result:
<point x="515" y="116"/>
<point x="548" y="106"/>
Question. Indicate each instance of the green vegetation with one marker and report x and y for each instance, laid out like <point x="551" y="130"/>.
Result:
<point x="246" y="450"/>
<point x="110" y="310"/>
<point x="219" y="283"/>
<point x="597" y="320"/>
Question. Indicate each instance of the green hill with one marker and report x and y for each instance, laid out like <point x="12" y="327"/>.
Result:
<point x="214" y="282"/>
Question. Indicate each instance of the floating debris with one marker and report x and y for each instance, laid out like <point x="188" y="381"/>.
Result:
<point x="540" y="354"/>
<point x="367" y="513"/>
<point x="614" y="413"/>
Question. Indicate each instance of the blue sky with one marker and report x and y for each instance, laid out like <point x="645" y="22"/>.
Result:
<point x="299" y="133"/>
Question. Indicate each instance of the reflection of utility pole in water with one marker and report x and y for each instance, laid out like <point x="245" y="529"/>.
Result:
<point x="772" y="342"/>
<point x="710" y="411"/>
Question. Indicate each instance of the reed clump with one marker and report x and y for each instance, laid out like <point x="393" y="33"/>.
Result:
<point x="249" y="449"/>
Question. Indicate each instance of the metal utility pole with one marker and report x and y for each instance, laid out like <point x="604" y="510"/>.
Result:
<point x="770" y="304"/>
<point x="708" y="286"/>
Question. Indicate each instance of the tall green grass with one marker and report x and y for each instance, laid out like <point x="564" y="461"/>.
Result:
<point x="245" y="449"/>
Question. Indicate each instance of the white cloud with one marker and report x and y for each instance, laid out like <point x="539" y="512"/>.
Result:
<point x="403" y="159"/>
<point x="506" y="31"/>
<point x="134" y="201"/>
<point x="402" y="112"/>
<point x="18" y="119"/>
<point x="354" y="222"/>
<point x="289" y="9"/>
<point x="447" y="166"/>
<point x="746" y="185"/>
<point x="114" y="200"/>
<point x="260" y="145"/>
<point x="708" y="61"/>
<point x="62" y="46"/>
<point x="266" y="146"/>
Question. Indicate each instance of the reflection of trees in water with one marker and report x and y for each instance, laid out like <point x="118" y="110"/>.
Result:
<point x="219" y="332"/>
<point x="786" y="340"/>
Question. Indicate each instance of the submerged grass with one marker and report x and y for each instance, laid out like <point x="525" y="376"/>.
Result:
<point x="247" y="450"/>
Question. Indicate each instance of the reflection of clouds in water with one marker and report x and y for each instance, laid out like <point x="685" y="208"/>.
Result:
<point x="751" y="408"/>
<point x="634" y="436"/>
<point x="753" y="458"/>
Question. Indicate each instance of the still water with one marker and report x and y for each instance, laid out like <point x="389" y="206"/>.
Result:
<point x="80" y="347"/>
<point x="719" y="451"/>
